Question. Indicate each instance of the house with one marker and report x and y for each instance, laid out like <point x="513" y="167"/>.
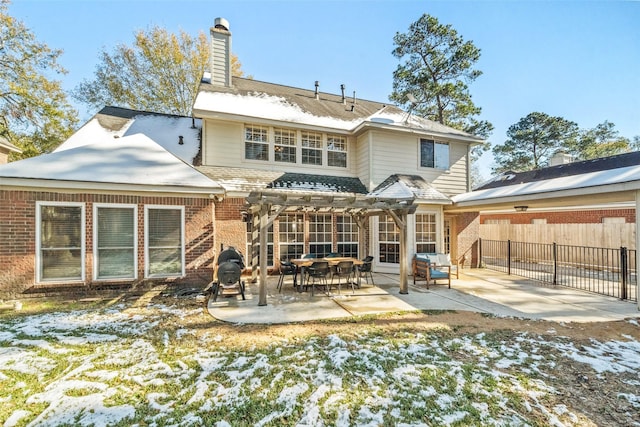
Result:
<point x="272" y="170"/>
<point x="591" y="212"/>
<point x="6" y="148"/>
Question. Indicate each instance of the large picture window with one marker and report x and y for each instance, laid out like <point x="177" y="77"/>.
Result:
<point x="348" y="236"/>
<point x="291" y="236"/>
<point x="311" y="148"/>
<point x="164" y="241"/>
<point x="337" y="151"/>
<point x="60" y="231"/>
<point x="389" y="240"/>
<point x="284" y="145"/>
<point x="320" y="234"/>
<point x="115" y="242"/>
<point x="256" y="143"/>
<point x="434" y="154"/>
<point x="425" y="233"/>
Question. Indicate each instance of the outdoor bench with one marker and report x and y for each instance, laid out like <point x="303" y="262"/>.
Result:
<point x="424" y="269"/>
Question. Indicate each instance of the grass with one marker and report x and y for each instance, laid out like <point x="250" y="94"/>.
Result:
<point x="156" y="366"/>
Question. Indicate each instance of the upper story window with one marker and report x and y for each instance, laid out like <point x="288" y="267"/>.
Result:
<point x="337" y="151"/>
<point x="311" y="148"/>
<point x="434" y="154"/>
<point x="284" y="145"/>
<point x="256" y="143"/>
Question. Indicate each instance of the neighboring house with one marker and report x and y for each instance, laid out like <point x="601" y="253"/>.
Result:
<point x="592" y="212"/>
<point x="6" y="148"/>
<point x="135" y="196"/>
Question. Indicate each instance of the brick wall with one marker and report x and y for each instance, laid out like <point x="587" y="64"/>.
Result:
<point x="594" y="216"/>
<point x="18" y="228"/>
<point x="467" y="231"/>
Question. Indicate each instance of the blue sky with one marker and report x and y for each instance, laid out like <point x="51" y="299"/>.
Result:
<point x="575" y="59"/>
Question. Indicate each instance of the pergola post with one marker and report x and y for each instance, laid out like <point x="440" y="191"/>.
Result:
<point x="255" y="241"/>
<point x="264" y="227"/>
<point x="400" y="218"/>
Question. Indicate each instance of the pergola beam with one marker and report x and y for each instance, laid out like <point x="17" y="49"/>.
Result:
<point x="265" y="207"/>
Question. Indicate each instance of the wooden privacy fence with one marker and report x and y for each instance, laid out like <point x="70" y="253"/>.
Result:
<point x="590" y="235"/>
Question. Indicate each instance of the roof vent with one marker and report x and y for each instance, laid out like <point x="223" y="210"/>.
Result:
<point x="317" y="85"/>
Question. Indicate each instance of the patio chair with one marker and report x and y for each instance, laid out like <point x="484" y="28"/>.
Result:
<point x="343" y="270"/>
<point x="287" y="269"/>
<point x="317" y="275"/>
<point x="423" y="269"/>
<point x="441" y="260"/>
<point x="364" y="270"/>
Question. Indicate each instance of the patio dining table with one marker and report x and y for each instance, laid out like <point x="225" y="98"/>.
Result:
<point x="302" y="263"/>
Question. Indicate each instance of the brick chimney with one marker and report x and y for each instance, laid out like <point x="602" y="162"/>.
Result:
<point x="220" y="55"/>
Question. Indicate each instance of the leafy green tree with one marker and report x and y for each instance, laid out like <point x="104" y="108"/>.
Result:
<point x="532" y="141"/>
<point x="35" y="115"/>
<point x="161" y="72"/>
<point x="601" y="141"/>
<point x="431" y="81"/>
<point x="433" y="76"/>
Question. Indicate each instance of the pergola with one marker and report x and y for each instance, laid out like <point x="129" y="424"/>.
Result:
<point x="266" y="205"/>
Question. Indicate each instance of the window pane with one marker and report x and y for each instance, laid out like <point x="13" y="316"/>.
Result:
<point x="115" y="241"/>
<point x="61" y="242"/>
<point x="311" y="148"/>
<point x="337" y="151"/>
<point x="348" y="237"/>
<point x="426" y="153"/>
<point x="426" y="233"/>
<point x="164" y="240"/>
<point x="256" y="143"/>
<point x="441" y="155"/>
<point x="389" y="238"/>
<point x="291" y="236"/>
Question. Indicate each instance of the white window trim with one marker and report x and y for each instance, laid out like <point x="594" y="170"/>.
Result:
<point x="146" y="240"/>
<point x="435" y="164"/>
<point x="96" y="206"/>
<point x="39" y="204"/>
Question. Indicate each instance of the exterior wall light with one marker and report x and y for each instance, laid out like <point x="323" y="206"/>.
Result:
<point x="521" y="208"/>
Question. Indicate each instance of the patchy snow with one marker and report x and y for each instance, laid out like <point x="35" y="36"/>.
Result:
<point x="164" y="130"/>
<point x="149" y="376"/>
<point x="137" y="160"/>
<point x="266" y="107"/>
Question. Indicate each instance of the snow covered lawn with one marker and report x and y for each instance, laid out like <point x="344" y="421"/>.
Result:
<point x="169" y="364"/>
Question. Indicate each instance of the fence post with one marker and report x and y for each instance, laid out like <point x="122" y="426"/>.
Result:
<point x="624" y="269"/>
<point x="555" y="263"/>
<point x="509" y="257"/>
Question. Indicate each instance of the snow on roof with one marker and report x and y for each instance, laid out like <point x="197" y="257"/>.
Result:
<point x="164" y="130"/>
<point x="585" y="180"/>
<point x="402" y="119"/>
<point x="408" y="187"/>
<point x="267" y="107"/>
<point x="135" y="160"/>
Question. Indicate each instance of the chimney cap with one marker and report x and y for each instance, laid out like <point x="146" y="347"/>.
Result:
<point x="221" y="23"/>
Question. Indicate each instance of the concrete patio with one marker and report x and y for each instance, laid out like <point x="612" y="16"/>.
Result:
<point x="477" y="290"/>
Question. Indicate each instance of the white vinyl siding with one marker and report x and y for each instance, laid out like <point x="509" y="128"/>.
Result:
<point x="395" y="153"/>
<point x="115" y="241"/>
<point x="164" y="241"/>
<point x="60" y="240"/>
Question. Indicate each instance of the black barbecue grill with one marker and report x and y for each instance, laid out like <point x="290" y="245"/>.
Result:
<point x="228" y="274"/>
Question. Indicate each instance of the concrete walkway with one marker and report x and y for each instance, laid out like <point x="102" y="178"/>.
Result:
<point x="477" y="290"/>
